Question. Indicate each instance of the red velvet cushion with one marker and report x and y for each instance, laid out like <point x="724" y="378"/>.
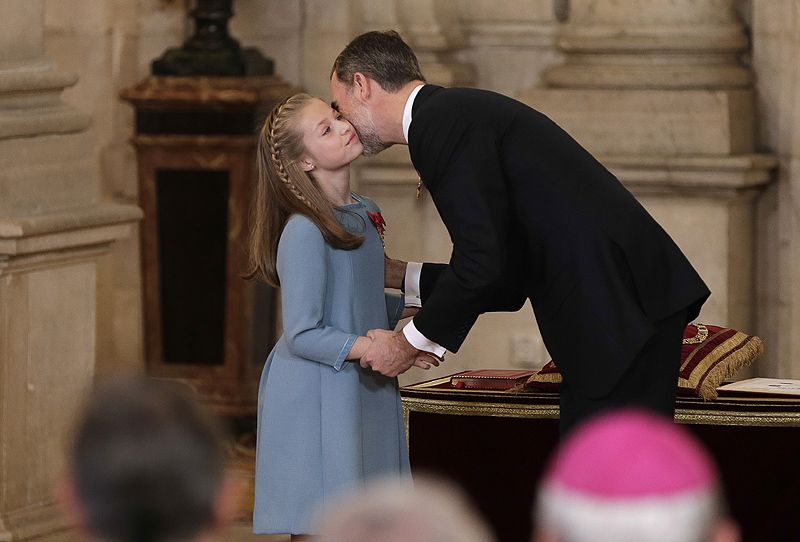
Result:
<point x="709" y="355"/>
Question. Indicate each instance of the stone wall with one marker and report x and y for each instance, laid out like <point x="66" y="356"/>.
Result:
<point x="55" y="230"/>
<point x="109" y="44"/>
<point x="509" y="46"/>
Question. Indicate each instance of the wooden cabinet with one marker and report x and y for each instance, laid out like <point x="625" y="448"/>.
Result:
<point x="195" y="141"/>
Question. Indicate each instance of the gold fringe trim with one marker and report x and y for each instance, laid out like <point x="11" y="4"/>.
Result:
<point x="735" y="360"/>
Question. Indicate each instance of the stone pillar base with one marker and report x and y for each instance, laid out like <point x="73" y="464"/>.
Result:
<point x="47" y="352"/>
<point x="41" y="523"/>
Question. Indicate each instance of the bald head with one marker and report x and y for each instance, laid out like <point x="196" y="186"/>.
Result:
<point x="396" y="511"/>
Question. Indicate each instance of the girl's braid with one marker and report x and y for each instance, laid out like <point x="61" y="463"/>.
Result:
<point x="274" y="151"/>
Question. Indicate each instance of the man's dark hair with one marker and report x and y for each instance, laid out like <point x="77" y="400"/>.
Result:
<point x="147" y="463"/>
<point x="383" y="56"/>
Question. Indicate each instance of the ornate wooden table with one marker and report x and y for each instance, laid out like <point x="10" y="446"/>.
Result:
<point x="495" y="444"/>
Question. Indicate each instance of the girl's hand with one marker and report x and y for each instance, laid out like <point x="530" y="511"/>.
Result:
<point x="359" y="348"/>
<point x="425" y="361"/>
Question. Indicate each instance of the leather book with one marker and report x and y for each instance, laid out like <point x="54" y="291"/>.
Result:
<point x="490" y="379"/>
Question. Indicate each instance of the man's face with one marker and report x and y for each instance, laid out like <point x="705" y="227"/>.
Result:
<point x="359" y="115"/>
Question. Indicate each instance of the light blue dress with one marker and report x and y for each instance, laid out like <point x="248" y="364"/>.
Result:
<point x="325" y="424"/>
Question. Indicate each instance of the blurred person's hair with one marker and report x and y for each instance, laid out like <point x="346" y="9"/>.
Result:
<point x="147" y="463"/>
<point x="631" y="476"/>
<point x="428" y="510"/>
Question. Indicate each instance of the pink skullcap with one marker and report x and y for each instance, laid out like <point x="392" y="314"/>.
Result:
<point x="631" y="453"/>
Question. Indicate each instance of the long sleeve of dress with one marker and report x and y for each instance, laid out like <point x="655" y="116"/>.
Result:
<point x="303" y="269"/>
<point x="395" y="304"/>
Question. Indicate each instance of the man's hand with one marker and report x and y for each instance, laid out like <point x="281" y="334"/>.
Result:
<point x="391" y="354"/>
<point x="394" y="272"/>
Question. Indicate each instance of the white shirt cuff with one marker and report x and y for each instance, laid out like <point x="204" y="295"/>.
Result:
<point x="413" y="272"/>
<point x="420" y="342"/>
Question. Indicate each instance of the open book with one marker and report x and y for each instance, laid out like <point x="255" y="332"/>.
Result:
<point x="762" y="386"/>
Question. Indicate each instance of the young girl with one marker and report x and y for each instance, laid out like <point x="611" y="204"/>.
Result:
<point x="324" y="423"/>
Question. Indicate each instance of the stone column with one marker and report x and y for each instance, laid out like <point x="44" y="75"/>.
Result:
<point x="433" y="29"/>
<point x="510" y="43"/>
<point x="651" y="44"/>
<point x="327" y="26"/>
<point x="776" y="46"/>
<point x="656" y="91"/>
<point x="53" y="229"/>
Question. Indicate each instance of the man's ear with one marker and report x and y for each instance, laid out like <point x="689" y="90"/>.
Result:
<point x="362" y="87"/>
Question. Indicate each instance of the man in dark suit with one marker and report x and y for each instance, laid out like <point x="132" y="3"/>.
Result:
<point x="532" y="215"/>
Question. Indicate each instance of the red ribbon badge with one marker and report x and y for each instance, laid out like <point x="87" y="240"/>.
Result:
<point x="379" y="222"/>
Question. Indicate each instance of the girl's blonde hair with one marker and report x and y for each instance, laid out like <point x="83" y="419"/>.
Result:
<point x="283" y="189"/>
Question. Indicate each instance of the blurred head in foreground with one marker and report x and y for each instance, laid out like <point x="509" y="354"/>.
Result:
<point x="147" y="465"/>
<point x="630" y="476"/>
<point x="397" y="511"/>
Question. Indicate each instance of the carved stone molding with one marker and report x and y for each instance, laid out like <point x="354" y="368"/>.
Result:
<point x="651" y="44"/>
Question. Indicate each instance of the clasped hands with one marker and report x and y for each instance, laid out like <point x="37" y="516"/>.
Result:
<point x="391" y="354"/>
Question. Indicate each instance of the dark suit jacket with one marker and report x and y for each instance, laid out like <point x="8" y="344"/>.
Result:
<point x="532" y="215"/>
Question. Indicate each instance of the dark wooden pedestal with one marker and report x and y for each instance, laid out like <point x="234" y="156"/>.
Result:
<point x="204" y="324"/>
<point x="496" y="444"/>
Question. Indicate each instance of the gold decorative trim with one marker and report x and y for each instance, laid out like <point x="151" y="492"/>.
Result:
<point x="702" y="334"/>
<point x="463" y="408"/>
<point x="724" y="417"/>
<point x="726" y="346"/>
<point x="406" y="412"/>
<point x="682" y="415"/>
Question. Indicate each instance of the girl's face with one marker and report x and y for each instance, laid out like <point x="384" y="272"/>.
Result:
<point x="331" y="142"/>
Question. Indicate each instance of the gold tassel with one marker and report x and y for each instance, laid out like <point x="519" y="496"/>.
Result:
<point x="738" y="360"/>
